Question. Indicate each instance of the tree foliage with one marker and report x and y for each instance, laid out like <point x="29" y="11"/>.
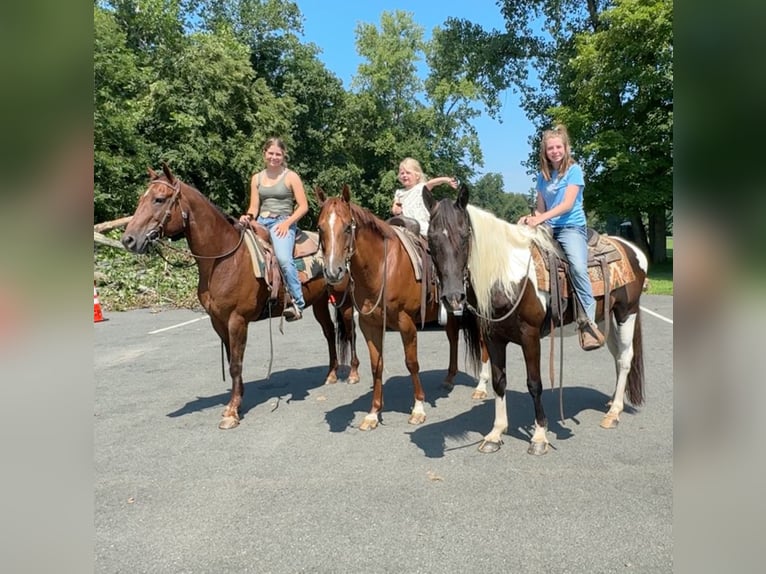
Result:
<point x="603" y="68"/>
<point x="202" y="83"/>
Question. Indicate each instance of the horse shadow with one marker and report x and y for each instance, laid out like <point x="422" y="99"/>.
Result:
<point x="293" y="383"/>
<point x="432" y="438"/>
<point x="397" y="398"/>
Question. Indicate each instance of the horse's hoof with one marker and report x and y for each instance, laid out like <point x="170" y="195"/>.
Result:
<point x="352" y="379"/>
<point x="490" y="446"/>
<point x="479" y="395"/>
<point x="538" y="448"/>
<point x="448" y="385"/>
<point x="417" y="418"/>
<point x="368" y="424"/>
<point x="330" y="380"/>
<point x="228" y="423"/>
<point x="609" y="422"/>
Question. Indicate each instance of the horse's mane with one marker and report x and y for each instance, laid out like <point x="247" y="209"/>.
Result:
<point x="228" y="217"/>
<point x="500" y="255"/>
<point x="365" y="218"/>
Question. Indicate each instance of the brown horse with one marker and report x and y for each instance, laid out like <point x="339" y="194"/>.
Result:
<point x="485" y="263"/>
<point x="228" y="289"/>
<point x="365" y="251"/>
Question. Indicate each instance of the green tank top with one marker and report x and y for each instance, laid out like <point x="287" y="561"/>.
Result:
<point x="276" y="199"/>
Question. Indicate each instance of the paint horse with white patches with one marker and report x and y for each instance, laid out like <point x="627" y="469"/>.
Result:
<point x="485" y="263"/>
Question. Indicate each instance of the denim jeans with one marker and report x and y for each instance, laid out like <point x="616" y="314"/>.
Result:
<point x="283" y="250"/>
<point x="574" y="242"/>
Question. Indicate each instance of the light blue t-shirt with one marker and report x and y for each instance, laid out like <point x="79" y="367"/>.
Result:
<point x="552" y="193"/>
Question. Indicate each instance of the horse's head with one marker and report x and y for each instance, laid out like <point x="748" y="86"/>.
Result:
<point x="158" y="213"/>
<point x="337" y="230"/>
<point x="449" y="236"/>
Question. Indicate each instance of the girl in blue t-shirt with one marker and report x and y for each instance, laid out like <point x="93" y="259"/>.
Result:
<point x="560" y="185"/>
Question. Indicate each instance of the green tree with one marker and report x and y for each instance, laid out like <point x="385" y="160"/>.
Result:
<point x="120" y="154"/>
<point x="604" y="69"/>
<point x="488" y="194"/>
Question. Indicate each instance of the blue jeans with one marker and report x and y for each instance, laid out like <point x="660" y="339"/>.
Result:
<point x="574" y="242"/>
<point x="283" y="250"/>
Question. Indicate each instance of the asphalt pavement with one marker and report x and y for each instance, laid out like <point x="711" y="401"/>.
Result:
<point x="298" y="488"/>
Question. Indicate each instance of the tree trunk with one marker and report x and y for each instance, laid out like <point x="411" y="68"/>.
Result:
<point x="114" y="224"/>
<point x="657" y="226"/>
<point x="639" y="234"/>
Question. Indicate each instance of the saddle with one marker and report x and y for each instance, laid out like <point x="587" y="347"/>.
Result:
<point x="608" y="269"/>
<point x="308" y="258"/>
<point x="417" y="248"/>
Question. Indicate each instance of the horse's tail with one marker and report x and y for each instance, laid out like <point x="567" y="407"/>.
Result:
<point x="635" y="386"/>
<point x="343" y="336"/>
<point x="469" y="324"/>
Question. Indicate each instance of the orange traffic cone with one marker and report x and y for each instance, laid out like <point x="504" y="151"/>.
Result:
<point x="98" y="316"/>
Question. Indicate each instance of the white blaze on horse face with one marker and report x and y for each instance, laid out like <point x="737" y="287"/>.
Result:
<point x="332" y="223"/>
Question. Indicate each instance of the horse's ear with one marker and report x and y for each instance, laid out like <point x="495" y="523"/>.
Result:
<point x="152" y="174"/>
<point x="462" y="196"/>
<point x="319" y="192"/>
<point x="346" y="194"/>
<point x="428" y="199"/>
<point x="166" y="171"/>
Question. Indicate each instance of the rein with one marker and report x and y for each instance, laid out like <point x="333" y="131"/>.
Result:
<point x="351" y="284"/>
<point x="515" y="305"/>
<point x="159" y="232"/>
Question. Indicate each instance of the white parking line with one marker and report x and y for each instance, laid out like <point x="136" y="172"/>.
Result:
<point x="657" y="315"/>
<point x="178" y="325"/>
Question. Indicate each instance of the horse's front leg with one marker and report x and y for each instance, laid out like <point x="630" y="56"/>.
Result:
<point x="494" y="440"/>
<point x="373" y="334"/>
<point x="485" y="375"/>
<point x="530" y="346"/>
<point x="453" y="331"/>
<point x="348" y="342"/>
<point x="236" y="339"/>
<point x="620" y="344"/>
<point x="409" y="334"/>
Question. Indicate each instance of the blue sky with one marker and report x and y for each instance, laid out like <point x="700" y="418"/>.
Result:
<point x="330" y="24"/>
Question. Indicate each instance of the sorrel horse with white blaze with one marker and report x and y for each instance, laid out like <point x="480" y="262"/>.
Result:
<point x="485" y="263"/>
<point x="383" y="286"/>
<point x="228" y="287"/>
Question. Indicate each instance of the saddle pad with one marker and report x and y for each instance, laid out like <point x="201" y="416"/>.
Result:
<point x="620" y="272"/>
<point x="408" y="240"/>
<point x="309" y="266"/>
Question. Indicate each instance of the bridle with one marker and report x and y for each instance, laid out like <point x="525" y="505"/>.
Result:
<point x="158" y="232"/>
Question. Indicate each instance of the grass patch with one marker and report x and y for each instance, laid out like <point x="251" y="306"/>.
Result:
<point x="661" y="274"/>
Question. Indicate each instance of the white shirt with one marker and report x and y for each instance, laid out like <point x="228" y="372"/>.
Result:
<point x="413" y="206"/>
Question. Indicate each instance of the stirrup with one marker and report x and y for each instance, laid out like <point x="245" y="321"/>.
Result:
<point x="591" y="337"/>
<point x="292" y="313"/>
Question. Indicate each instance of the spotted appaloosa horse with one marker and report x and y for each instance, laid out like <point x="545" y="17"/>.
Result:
<point x="484" y="262"/>
<point x="228" y="289"/>
<point x="365" y="250"/>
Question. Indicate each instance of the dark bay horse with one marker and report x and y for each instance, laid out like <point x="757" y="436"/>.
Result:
<point x="366" y="251"/>
<point x="485" y="263"/>
<point x="228" y="289"/>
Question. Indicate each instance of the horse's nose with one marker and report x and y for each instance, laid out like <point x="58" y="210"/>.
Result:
<point x="129" y="242"/>
<point x="454" y="302"/>
<point x="334" y="275"/>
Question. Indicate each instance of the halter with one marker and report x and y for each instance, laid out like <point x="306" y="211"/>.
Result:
<point x="154" y="235"/>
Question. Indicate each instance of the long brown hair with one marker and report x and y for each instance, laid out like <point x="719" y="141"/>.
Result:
<point x="560" y="131"/>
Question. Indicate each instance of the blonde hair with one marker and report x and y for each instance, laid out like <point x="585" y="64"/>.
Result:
<point x="560" y="131"/>
<point x="413" y="165"/>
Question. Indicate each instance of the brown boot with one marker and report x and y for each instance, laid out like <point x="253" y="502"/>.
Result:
<point x="590" y="336"/>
